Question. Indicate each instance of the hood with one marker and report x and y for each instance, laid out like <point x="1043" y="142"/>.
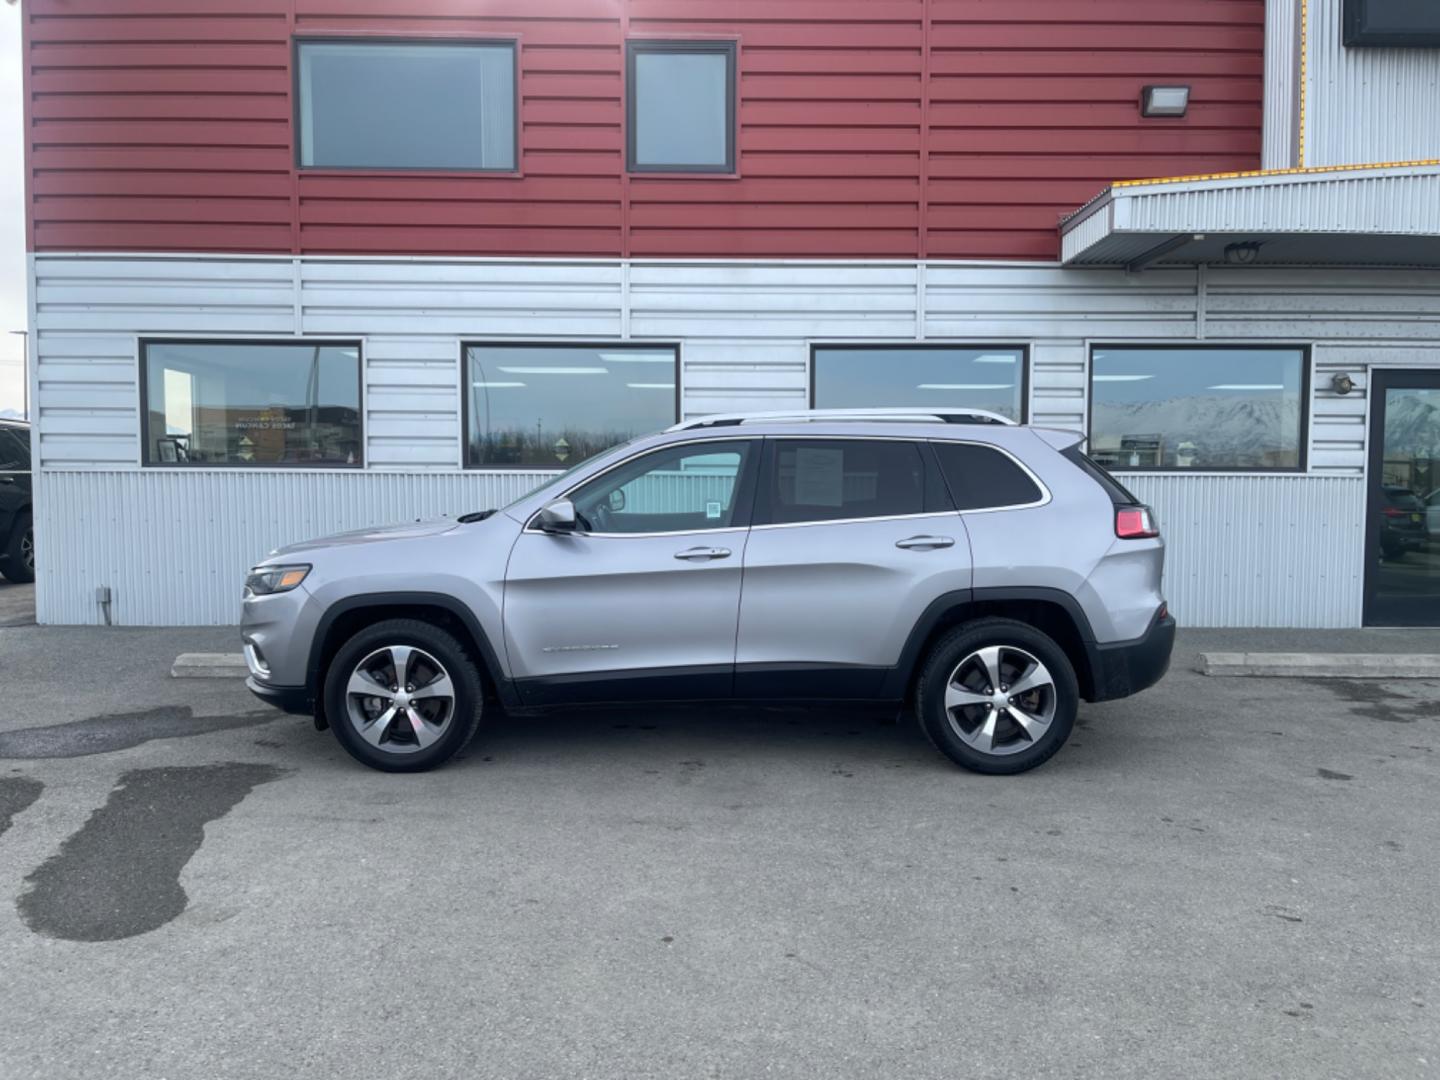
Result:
<point x="369" y="536"/>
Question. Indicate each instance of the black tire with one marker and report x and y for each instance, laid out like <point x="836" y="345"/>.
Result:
<point x="941" y="664"/>
<point x="457" y="730"/>
<point x="19" y="564"/>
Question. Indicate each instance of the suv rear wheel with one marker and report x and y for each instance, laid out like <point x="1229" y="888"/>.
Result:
<point x="997" y="696"/>
<point x="19" y="565"/>
<point x="403" y="696"/>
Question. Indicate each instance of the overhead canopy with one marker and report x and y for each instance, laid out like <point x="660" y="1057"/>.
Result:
<point x="1361" y="215"/>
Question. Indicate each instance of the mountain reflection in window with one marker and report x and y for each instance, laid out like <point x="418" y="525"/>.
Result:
<point x="1204" y="408"/>
<point x="252" y="403"/>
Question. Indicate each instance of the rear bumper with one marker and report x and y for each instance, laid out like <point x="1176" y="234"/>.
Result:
<point x="1127" y="667"/>
<point x="291" y="699"/>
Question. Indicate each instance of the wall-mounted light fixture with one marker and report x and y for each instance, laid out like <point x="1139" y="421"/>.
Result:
<point x="1341" y="383"/>
<point x="1243" y="253"/>
<point x="1164" y="100"/>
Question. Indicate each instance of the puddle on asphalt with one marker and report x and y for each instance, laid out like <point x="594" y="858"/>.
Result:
<point x="1377" y="700"/>
<point x="16" y="795"/>
<point x="120" y="731"/>
<point x="119" y="875"/>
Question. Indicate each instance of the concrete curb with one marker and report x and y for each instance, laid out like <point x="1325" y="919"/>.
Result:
<point x="1323" y="665"/>
<point x="209" y="665"/>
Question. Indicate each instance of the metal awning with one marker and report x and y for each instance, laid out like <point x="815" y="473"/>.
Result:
<point x="1356" y="215"/>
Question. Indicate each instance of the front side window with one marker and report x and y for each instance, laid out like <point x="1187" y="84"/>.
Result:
<point x="677" y="489"/>
<point x="876" y="376"/>
<point x="252" y="403"/>
<point x="406" y="105"/>
<point x="681" y="98"/>
<point x="550" y="406"/>
<point x="842" y="479"/>
<point x="14" y="449"/>
<point x="1197" y="408"/>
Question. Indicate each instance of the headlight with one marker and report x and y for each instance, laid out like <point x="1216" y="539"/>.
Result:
<point x="264" y="580"/>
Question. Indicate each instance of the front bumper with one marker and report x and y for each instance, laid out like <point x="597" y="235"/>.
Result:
<point x="291" y="699"/>
<point x="1127" y="667"/>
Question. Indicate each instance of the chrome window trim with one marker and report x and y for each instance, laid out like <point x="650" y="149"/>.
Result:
<point x="948" y="514"/>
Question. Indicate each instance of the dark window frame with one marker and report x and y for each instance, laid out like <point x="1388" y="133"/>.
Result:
<point x="466" y="344"/>
<point x="730" y="50"/>
<point x="932" y="346"/>
<point x="1303" y="464"/>
<point x="325" y="342"/>
<point x="296" y="42"/>
<point x="1356" y="14"/>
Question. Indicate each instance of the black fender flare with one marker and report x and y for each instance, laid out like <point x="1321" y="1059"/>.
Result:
<point x="897" y="683"/>
<point x="488" y="657"/>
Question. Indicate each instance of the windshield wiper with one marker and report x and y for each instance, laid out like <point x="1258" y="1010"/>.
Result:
<point x="476" y="515"/>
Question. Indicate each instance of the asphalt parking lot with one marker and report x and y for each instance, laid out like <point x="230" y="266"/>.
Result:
<point x="1217" y="878"/>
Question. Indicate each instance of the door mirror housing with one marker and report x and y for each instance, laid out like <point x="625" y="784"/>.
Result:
<point x="557" y="517"/>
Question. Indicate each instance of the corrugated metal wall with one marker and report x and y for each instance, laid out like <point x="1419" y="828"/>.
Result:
<point x="1260" y="550"/>
<point x="1366" y="104"/>
<point x="906" y="128"/>
<point x="173" y="546"/>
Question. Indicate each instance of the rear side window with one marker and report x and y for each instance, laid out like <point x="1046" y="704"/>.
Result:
<point x="983" y="478"/>
<point x="838" y="479"/>
<point x="1118" y="492"/>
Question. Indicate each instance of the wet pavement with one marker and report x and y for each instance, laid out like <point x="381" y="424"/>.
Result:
<point x="1219" y="877"/>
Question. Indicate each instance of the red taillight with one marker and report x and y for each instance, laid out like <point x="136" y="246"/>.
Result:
<point x="1395" y="511"/>
<point x="1135" y="523"/>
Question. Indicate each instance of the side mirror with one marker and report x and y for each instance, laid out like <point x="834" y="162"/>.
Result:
<point x="557" y="517"/>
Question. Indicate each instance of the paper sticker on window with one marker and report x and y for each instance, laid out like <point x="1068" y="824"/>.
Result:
<point x="819" y="476"/>
<point x="712" y="511"/>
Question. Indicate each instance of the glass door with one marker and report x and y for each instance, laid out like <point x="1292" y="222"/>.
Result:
<point x="1402" y="517"/>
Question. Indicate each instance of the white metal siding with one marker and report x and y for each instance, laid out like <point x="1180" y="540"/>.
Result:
<point x="1260" y="550"/>
<point x="744" y="330"/>
<point x="1282" y="80"/>
<point x="1366" y="104"/>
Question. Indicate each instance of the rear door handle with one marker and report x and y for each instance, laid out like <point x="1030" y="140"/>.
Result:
<point x="702" y="554"/>
<point x="925" y="543"/>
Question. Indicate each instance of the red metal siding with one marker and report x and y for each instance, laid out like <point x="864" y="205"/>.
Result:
<point x="902" y="128"/>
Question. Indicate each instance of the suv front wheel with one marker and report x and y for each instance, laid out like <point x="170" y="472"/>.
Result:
<point x="997" y="696"/>
<point x="403" y="696"/>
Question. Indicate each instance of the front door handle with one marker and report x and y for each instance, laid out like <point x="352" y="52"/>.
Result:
<point x="702" y="554"/>
<point x="925" y="543"/>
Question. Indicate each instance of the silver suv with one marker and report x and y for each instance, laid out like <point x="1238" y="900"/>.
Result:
<point x="988" y="574"/>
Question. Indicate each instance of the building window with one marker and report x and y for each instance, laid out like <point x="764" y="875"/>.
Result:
<point x="933" y="376"/>
<point x="680" y="99"/>
<point x="1197" y="408"/>
<point x="1392" y="23"/>
<point x="406" y="105"/>
<point x="254" y="403"/>
<point x="550" y="406"/>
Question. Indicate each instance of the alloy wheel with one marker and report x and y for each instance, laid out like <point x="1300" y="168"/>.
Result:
<point x="27" y="551"/>
<point x="400" y="699"/>
<point x="1000" y="700"/>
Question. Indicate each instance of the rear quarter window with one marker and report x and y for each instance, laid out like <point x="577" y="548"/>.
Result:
<point x="1119" y="494"/>
<point x="983" y="478"/>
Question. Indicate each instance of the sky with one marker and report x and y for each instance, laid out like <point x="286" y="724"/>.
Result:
<point x="12" y="212"/>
